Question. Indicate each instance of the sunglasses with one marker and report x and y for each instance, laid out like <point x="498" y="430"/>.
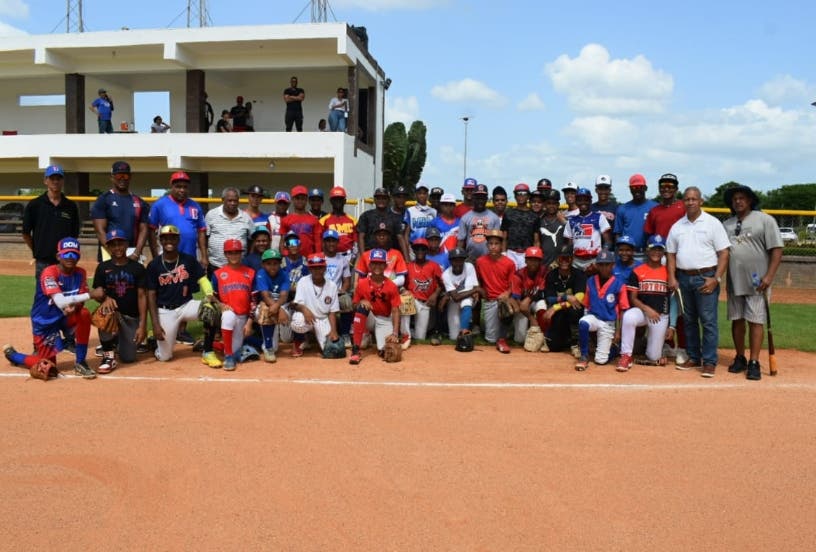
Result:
<point x="738" y="229"/>
<point x="121" y="176"/>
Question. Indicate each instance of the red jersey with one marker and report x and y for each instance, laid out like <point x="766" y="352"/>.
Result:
<point x="661" y="218"/>
<point x="394" y="266"/>
<point x="495" y="275"/>
<point x="523" y="285"/>
<point x="308" y="229"/>
<point x="423" y="279"/>
<point x="345" y="225"/>
<point x="234" y="287"/>
<point x="460" y="210"/>
<point x="383" y="297"/>
<point x="652" y="286"/>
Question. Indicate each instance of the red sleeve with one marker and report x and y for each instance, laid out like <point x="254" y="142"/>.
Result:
<point x="49" y="280"/>
<point x="586" y="291"/>
<point x="516" y="285"/>
<point x="83" y="287"/>
<point x="317" y="234"/>
<point x="399" y="266"/>
<point x="362" y="265"/>
<point x="284" y="226"/>
<point x="648" y="226"/>
<point x="623" y="299"/>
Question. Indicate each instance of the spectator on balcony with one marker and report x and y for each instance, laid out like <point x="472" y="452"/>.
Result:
<point x="321" y="126"/>
<point x="250" y="118"/>
<point x="238" y="113"/>
<point x="338" y="111"/>
<point x="294" y="96"/>
<point x="103" y="107"/>
<point x="159" y="126"/>
<point x="209" y="115"/>
<point x="223" y="124"/>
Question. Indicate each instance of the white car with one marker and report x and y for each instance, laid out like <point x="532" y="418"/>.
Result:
<point x="788" y="234"/>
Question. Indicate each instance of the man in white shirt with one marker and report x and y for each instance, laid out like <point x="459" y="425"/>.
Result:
<point x="224" y="223"/>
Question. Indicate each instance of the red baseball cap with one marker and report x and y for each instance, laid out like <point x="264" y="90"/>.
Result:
<point x="637" y="180"/>
<point x="521" y="187"/>
<point x="179" y="175"/>
<point x="534" y="253"/>
<point x="300" y="190"/>
<point x="337" y="191"/>
<point x="233" y="244"/>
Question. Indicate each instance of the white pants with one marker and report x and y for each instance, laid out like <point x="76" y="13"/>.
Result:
<point x="454" y="312"/>
<point x="421" y="319"/>
<point x="234" y="322"/>
<point x="655" y="333"/>
<point x="170" y="321"/>
<point x="606" y="333"/>
<point x="321" y="327"/>
<point x="381" y="326"/>
<point x="521" y="323"/>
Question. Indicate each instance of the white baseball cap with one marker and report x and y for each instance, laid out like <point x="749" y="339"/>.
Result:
<point x="447" y="198"/>
<point x="603" y="180"/>
<point x="569" y="186"/>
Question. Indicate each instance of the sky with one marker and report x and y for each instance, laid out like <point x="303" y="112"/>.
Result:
<point x="710" y="91"/>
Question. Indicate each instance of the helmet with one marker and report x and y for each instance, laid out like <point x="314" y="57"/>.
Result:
<point x="233" y="245"/>
<point x="247" y="353"/>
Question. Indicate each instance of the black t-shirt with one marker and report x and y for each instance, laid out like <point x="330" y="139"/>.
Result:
<point x="48" y="224"/>
<point x="121" y="282"/>
<point x="294" y="107"/>
<point x="370" y="221"/>
<point x="520" y="226"/>
<point x="552" y="238"/>
<point x="174" y="282"/>
<point x="556" y="284"/>
<point x="222" y="124"/>
<point x="239" y="115"/>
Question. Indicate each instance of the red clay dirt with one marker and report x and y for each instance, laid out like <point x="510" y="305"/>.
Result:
<point x="444" y="451"/>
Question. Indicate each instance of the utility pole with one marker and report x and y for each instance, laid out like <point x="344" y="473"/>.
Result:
<point x="197" y="13"/>
<point x="320" y="11"/>
<point x="73" y="17"/>
<point x="465" y="119"/>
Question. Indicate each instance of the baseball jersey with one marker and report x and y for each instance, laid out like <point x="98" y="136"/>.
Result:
<point x="122" y="283"/>
<point x="608" y="209"/>
<point x="631" y="219"/>
<point x="461" y="209"/>
<point x="661" y="218"/>
<point x="173" y="281"/>
<point x="346" y="226"/>
<point x="622" y="271"/>
<point x="524" y="284"/>
<point x="187" y="217"/>
<point x="586" y="233"/>
<point x="495" y="275"/>
<point x="307" y="227"/>
<point x="337" y="268"/>
<point x="463" y="281"/>
<point x="423" y="279"/>
<point x="383" y="297"/>
<point x="652" y="286"/>
<point x="233" y="287"/>
<point x="473" y="228"/>
<point x="253" y="261"/>
<point x="607" y="300"/>
<point x="558" y="285"/>
<point x="122" y="212"/>
<point x="321" y="300"/>
<point x="275" y="285"/>
<point x="274" y="224"/>
<point x="44" y="312"/>
<point x="440" y="258"/>
<point x="394" y="265"/>
<point x="295" y="270"/>
<point x="448" y="230"/>
<point x="260" y="218"/>
<point x="418" y="218"/>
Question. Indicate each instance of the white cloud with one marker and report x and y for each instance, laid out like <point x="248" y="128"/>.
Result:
<point x="787" y="89"/>
<point x="468" y="90"/>
<point x="405" y="110"/>
<point x="14" y="8"/>
<point x="531" y="103"/>
<point x="384" y="5"/>
<point x="594" y="83"/>
<point x="604" y="135"/>
<point x="8" y="30"/>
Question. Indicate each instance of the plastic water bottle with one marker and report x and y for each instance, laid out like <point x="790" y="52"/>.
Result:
<point x="756" y="280"/>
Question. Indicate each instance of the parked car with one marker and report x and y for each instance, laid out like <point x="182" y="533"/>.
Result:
<point x="788" y="235"/>
<point x="11" y="215"/>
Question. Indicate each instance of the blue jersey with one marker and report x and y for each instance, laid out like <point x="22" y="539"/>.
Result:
<point x="440" y="258"/>
<point x="608" y="300"/>
<point x="187" y="217"/>
<point x="275" y="285"/>
<point x="44" y="312"/>
<point x="449" y="231"/>
<point x="253" y="261"/>
<point x="622" y="271"/>
<point x="123" y="212"/>
<point x="630" y="220"/>
<point x="418" y="218"/>
<point x="104" y="108"/>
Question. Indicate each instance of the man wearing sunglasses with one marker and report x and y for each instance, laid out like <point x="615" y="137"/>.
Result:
<point x="119" y="209"/>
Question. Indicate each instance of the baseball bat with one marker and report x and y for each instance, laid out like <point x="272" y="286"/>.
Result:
<point x="771" y="348"/>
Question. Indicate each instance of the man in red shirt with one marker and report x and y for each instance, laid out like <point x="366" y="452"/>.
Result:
<point x="303" y="223"/>
<point x="495" y="272"/>
<point x="670" y="209"/>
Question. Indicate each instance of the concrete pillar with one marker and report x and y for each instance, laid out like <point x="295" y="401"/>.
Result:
<point x="351" y="125"/>
<point x="75" y="103"/>
<point x="200" y="187"/>
<point x="196" y="117"/>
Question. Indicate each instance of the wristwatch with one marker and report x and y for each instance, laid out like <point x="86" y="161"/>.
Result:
<point x="718" y="278"/>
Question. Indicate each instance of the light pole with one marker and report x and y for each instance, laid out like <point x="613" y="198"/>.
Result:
<point x="465" y="119"/>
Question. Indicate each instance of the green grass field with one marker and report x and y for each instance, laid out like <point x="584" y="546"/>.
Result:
<point x="788" y="334"/>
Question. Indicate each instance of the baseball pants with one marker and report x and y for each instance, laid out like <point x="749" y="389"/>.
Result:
<point x="233" y="324"/>
<point x="124" y="339"/>
<point x="494" y="327"/>
<point x="655" y="333"/>
<point x="382" y="328"/>
<point x="170" y="321"/>
<point x="321" y="327"/>
<point x="517" y="257"/>
<point x="421" y="320"/>
<point x="454" y="316"/>
<point x="521" y="322"/>
<point x="606" y="333"/>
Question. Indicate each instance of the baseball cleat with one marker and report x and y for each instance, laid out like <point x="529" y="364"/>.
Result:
<point x="211" y="360"/>
<point x="82" y="369"/>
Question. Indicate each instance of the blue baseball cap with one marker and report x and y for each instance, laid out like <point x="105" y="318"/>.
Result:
<point x="656" y="241"/>
<point x="331" y="234"/>
<point x="259" y="229"/>
<point x="283" y="196"/>
<point x="114" y="234"/>
<point x="625" y="239"/>
<point x="377" y="256"/>
<point x="469" y="183"/>
<point x="583" y="192"/>
<point x="54" y="169"/>
<point x="316" y="192"/>
<point x="605" y="257"/>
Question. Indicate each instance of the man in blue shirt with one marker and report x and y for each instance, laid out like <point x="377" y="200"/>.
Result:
<point x="103" y="107"/>
<point x="119" y="209"/>
<point x="631" y="216"/>
<point x="185" y="214"/>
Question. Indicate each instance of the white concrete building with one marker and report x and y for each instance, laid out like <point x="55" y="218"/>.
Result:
<point x="255" y="62"/>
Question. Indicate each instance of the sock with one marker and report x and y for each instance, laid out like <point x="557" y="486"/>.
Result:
<point x="209" y="336"/>
<point x="20" y="358"/>
<point x="268" y="332"/>
<point x="298" y="338"/>
<point x="358" y="328"/>
<point x="465" y="317"/>
<point x="226" y="336"/>
<point x="583" y="338"/>
<point x="81" y="352"/>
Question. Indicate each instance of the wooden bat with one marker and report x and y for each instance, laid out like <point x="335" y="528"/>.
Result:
<point x="771" y="348"/>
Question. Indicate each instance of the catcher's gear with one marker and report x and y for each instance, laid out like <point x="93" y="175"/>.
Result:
<point x="408" y="305"/>
<point x="247" y="353"/>
<point x="464" y="342"/>
<point x="106" y="320"/>
<point x="264" y="315"/>
<point x="534" y="339"/>
<point x="210" y="314"/>
<point x="506" y="309"/>
<point x="43" y="369"/>
<point x="334" y="349"/>
<point x="345" y="302"/>
<point x="393" y="350"/>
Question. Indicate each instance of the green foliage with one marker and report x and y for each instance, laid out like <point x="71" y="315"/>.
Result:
<point x="404" y="155"/>
<point x="791" y="196"/>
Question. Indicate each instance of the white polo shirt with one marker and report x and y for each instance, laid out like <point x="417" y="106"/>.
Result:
<point x="696" y="243"/>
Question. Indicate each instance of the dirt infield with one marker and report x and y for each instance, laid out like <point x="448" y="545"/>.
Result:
<point x="445" y="451"/>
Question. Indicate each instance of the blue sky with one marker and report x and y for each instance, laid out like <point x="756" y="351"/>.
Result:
<point x="712" y="91"/>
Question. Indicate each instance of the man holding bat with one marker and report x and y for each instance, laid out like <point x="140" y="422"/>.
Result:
<point x="756" y="251"/>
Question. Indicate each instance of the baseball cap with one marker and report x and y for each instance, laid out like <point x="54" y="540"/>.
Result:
<point x="337" y="191"/>
<point x="114" y="234"/>
<point x="179" y="175"/>
<point x="625" y="239"/>
<point x="420" y="242"/>
<point x="54" y="169"/>
<point x="549" y="193"/>
<point x="605" y="257"/>
<point x="233" y="245"/>
<point x="101" y="90"/>
<point x="668" y="177"/>
<point x="291" y="237"/>
<point x="447" y="198"/>
<point x="299" y="190"/>
<point x="169" y="230"/>
<point x="68" y="248"/>
<point x="583" y="192"/>
<point x="432" y="232"/>
<point x="239" y="98"/>
<point x="381" y="192"/>
<point x="400" y="190"/>
<point x="521" y="187"/>
<point x="544" y="184"/>
<point x="259" y="229"/>
<point x="316" y="192"/>
<point x="533" y="253"/>
<point x="282" y="196"/>
<point x="565" y="250"/>
<point x="603" y="180"/>
<point x="257" y="190"/>
<point x="421" y="187"/>
<point x="271" y="254"/>
<point x="469" y="183"/>
<point x="656" y="241"/>
<point x="382" y="227"/>
<point x="495" y="233"/>
<point x="436" y="191"/>
<point x="377" y="256"/>
<point x="331" y="234"/>
<point x="480" y="189"/>
<point x="317" y="259"/>
<point x="569" y="186"/>
<point x="637" y="180"/>
<point x="120" y="167"/>
<point x="457" y="253"/>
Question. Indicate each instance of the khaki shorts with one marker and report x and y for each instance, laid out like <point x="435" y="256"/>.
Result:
<point x="747" y="307"/>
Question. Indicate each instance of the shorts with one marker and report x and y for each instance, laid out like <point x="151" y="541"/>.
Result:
<point x="747" y="307"/>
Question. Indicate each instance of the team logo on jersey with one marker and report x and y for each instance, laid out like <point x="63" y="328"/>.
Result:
<point x="193" y="213"/>
<point x="327" y="300"/>
<point x="422" y="285"/>
<point x="610" y="298"/>
<point x="223" y="275"/>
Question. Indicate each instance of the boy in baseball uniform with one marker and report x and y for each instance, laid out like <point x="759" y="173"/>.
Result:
<point x="377" y="301"/>
<point x="315" y="307"/>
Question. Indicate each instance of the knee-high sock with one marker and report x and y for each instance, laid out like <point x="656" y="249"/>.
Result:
<point x="209" y="337"/>
<point x="358" y="328"/>
<point x="83" y="333"/>
<point x="583" y="338"/>
<point x="268" y="332"/>
<point x="465" y="317"/>
<point x="543" y="323"/>
<point x="226" y="335"/>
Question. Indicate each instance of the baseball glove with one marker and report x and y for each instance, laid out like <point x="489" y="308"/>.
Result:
<point x="264" y="316"/>
<point x="43" y="370"/>
<point x="506" y="309"/>
<point x="464" y="342"/>
<point x="408" y="305"/>
<point x="393" y="350"/>
<point x="106" y="320"/>
<point x="334" y="349"/>
<point x="534" y="339"/>
<point x="210" y="314"/>
<point x="345" y="302"/>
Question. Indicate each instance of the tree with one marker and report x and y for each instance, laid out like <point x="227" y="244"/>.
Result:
<point x="791" y="196"/>
<point x="404" y="155"/>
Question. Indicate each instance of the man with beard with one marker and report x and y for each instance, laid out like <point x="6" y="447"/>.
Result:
<point x="632" y="215"/>
<point x="475" y="224"/>
<point x="121" y="210"/>
<point x="520" y="227"/>
<point x="663" y="215"/>
<point x="551" y="228"/>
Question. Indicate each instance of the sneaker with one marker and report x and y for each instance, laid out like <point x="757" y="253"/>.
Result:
<point x="355" y="358"/>
<point x="142" y="348"/>
<point x="708" y="371"/>
<point x="108" y="364"/>
<point x="69" y="344"/>
<point x="681" y="356"/>
<point x="753" y="372"/>
<point x="8" y="350"/>
<point x="436" y="339"/>
<point x="545" y="348"/>
<point x="476" y="330"/>
<point x="198" y="346"/>
<point x="98" y="351"/>
<point x="297" y="349"/>
<point x="624" y="363"/>
<point x="347" y="341"/>
<point x="82" y="369"/>
<point x="269" y="355"/>
<point x="210" y="359"/>
<point x="503" y="347"/>
<point x="576" y="351"/>
<point x="582" y="363"/>
<point x="740" y="364"/>
<point x="185" y="338"/>
<point x="229" y="363"/>
<point x="687" y="365"/>
<point x="405" y="342"/>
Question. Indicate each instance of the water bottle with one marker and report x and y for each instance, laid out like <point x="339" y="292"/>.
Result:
<point x="755" y="280"/>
